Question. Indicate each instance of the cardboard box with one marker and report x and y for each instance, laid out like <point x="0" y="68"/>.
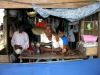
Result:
<point x="91" y="51"/>
<point x="4" y="59"/>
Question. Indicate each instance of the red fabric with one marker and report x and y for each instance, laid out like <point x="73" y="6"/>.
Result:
<point x="30" y="47"/>
<point x="41" y="24"/>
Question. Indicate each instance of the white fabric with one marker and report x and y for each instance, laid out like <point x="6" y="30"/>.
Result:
<point x="20" y="39"/>
<point x="44" y="38"/>
<point x="71" y="14"/>
<point x="71" y="36"/>
<point x="18" y="51"/>
<point x="55" y="44"/>
<point x="38" y="45"/>
<point x="90" y="44"/>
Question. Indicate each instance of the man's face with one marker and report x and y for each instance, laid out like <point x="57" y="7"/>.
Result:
<point x="20" y="29"/>
<point x="48" y="31"/>
<point x="60" y="34"/>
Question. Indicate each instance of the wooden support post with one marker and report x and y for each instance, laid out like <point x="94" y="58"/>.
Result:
<point x="99" y="35"/>
<point x="5" y="38"/>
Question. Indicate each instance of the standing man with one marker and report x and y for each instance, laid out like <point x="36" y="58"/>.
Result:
<point x="19" y="42"/>
<point x="71" y="38"/>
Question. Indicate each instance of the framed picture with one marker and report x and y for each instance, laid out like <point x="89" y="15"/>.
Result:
<point x="88" y="27"/>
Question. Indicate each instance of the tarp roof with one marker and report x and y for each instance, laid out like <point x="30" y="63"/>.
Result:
<point x="71" y="14"/>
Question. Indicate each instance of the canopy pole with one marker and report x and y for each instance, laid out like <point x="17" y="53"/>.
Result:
<point x="99" y="34"/>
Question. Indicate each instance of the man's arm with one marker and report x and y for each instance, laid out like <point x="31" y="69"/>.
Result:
<point x="42" y="45"/>
<point x="45" y="49"/>
<point x="13" y="39"/>
<point x="17" y="47"/>
<point x="26" y="40"/>
<point x="65" y="45"/>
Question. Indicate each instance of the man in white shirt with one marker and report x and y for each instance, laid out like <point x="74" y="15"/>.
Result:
<point x="20" y="41"/>
<point x="47" y="37"/>
<point x="71" y="37"/>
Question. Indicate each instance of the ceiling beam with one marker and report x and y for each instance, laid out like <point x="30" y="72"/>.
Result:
<point x="50" y="1"/>
<point x="44" y="3"/>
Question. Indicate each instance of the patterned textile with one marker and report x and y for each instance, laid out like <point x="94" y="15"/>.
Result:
<point x="71" y="14"/>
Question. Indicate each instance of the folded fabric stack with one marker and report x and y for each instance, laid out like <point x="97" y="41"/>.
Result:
<point x="89" y="43"/>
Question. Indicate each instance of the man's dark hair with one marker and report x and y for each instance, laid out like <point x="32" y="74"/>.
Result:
<point x="60" y="30"/>
<point x="71" y="27"/>
<point x="20" y="25"/>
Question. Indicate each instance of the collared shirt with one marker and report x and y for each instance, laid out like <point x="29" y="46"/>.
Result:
<point x="20" y="39"/>
<point x="55" y="44"/>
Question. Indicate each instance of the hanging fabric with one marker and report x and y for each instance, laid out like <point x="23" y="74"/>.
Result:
<point x="71" y="14"/>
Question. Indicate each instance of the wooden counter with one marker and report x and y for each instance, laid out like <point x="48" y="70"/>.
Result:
<point x="28" y="55"/>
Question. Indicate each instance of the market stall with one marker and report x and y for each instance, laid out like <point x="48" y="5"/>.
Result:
<point x="31" y="17"/>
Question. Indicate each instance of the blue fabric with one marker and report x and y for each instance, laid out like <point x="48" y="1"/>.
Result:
<point x="65" y="40"/>
<point x="69" y="13"/>
<point x="79" y="67"/>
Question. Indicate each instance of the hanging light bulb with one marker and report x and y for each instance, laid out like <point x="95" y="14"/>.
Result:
<point x="31" y="14"/>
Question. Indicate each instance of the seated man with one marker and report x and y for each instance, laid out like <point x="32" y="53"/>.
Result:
<point x="19" y="41"/>
<point x="49" y="42"/>
<point x="65" y="40"/>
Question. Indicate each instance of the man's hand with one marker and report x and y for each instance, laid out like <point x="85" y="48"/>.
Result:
<point x="57" y="38"/>
<point x="63" y="51"/>
<point x="56" y="49"/>
<point x="18" y="47"/>
<point x="46" y="44"/>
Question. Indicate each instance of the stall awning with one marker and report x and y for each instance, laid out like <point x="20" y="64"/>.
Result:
<point x="71" y="14"/>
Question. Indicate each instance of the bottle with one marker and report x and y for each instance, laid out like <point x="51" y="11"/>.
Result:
<point x="38" y="48"/>
<point x="38" y="51"/>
